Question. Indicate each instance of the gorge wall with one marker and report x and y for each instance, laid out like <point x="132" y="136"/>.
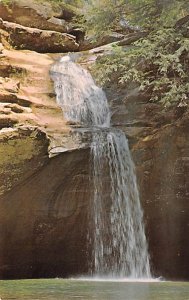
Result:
<point x="44" y="201"/>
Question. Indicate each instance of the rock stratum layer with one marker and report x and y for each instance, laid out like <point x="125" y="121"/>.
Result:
<point x="44" y="202"/>
<point x="21" y="37"/>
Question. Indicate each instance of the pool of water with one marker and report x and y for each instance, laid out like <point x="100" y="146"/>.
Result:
<point x="60" y="289"/>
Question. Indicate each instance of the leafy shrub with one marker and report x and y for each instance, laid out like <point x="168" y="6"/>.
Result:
<point x="158" y="64"/>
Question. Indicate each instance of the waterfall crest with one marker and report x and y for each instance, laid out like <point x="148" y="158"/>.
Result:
<point x="78" y="96"/>
<point x="116" y="220"/>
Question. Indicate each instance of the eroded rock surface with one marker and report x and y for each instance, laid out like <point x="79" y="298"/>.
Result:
<point x="43" y="41"/>
<point x="160" y="146"/>
<point x="44" y="202"/>
<point x="163" y="166"/>
<point x="22" y="151"/>
<point x="37" y="14"/>
<point x="44" y="233"/>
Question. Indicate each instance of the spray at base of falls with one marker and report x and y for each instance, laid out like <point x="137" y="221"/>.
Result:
<point x="116" y="229"/>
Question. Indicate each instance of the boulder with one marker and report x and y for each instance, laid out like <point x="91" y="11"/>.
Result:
<point x="36" y="14"/>
<point x="22" y="37"/>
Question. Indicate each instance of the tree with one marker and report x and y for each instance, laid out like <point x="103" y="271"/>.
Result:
<point x="159" y="62"/>
<point x="104" y="15"/>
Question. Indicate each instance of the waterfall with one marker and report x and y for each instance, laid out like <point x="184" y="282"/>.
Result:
<point x="116" y="227"/>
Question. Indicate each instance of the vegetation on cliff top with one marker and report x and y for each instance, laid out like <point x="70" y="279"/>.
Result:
<point x="158" y="62"/>
<point x="102" y="16"/>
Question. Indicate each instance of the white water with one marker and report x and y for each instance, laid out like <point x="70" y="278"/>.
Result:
<point x="117" y="279"/>
<point x="116" y="229"/>
<point x="78" y="96"/>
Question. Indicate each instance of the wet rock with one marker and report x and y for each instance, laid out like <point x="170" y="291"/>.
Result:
<point x="22" y="37"/>
<point x="162" y="169"/>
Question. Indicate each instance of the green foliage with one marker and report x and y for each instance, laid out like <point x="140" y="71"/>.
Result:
<point x="5" y="1"/>
<point x="156" y="13"/>
<point x="158" y="64"/>
<point x="100" y="16"/>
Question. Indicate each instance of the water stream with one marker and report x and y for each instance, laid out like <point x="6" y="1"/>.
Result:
<point x="116" y="228"/>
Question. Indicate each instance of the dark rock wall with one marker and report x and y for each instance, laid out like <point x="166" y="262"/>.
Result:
<point x="44" y="221"/>
<point x="44" y="214"/>
<point x="163" y="169"/>
<point x="159" y="141"/>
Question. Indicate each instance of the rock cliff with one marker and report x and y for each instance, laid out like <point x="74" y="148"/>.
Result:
<point x="160" y="145"/>
<point x="44" y="201"/>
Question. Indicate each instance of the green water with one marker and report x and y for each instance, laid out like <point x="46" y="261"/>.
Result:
<point x="59" y="289"/>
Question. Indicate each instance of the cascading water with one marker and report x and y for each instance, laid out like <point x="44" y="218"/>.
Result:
<point x="116" y="230"/>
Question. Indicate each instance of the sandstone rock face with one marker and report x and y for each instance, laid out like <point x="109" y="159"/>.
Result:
<point x="163" y="166"/>
<point x="35" y="14"/>
<point x="44" y="233"/>
<point x="22" y="151"/>
<point x="26" y="91"/>
<point x="44" y="202"/>
<point x="43" y="41"/>
<point x="48" y="203"/>
<point x="160" y="147"/>
<point x="32" y="124"/>
<point x="41" y="207"/>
